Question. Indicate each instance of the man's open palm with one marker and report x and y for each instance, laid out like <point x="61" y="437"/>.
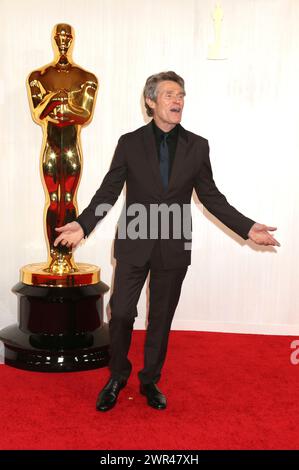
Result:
<point x="259" y="234"/>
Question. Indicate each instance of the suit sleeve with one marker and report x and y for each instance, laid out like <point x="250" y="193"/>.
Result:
<point x="216" y="202"/>
<point x="107" y="193"/>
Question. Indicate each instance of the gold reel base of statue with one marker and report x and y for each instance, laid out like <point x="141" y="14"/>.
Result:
<point x="36" y="274"/>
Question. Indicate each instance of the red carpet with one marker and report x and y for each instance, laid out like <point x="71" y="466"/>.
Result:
<point x="224" y="391"/>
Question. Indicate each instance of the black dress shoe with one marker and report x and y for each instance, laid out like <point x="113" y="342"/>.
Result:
<point x="155" y="397"/>
<point x="107" y="397"/>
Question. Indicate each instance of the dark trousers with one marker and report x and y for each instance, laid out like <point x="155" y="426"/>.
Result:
<point x="165" y="288"/>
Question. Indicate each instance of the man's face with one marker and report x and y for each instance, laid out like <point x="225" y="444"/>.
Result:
<point x="168" y="108"/>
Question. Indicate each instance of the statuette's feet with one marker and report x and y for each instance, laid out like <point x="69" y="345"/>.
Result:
<point x="61" y="263"/>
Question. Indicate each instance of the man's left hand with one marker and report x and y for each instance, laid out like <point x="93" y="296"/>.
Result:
<point x="259" y="234"/>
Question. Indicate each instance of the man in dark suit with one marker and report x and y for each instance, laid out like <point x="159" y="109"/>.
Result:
<point x="161" y="163"/>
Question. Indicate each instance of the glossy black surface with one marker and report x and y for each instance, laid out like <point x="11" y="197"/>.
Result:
<point x="58" y="329"/>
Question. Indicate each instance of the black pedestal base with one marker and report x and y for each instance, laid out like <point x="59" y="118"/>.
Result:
<point x="58" y="330"/>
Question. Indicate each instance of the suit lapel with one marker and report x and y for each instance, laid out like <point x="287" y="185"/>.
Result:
<point x="179" y="160"/>
<point x="152" y="157"/>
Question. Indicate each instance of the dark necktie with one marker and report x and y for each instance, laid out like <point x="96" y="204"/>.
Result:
<point x="164" y="160"/>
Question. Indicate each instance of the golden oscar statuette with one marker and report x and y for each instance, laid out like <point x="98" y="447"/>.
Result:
<point x="60" y="308"/>
<point x="217" y="50"/>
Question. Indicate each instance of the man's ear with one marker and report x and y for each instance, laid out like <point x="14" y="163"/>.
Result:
<point x="150" y="103"/>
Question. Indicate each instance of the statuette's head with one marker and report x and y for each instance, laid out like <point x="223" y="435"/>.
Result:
<point x="63" y="39"/>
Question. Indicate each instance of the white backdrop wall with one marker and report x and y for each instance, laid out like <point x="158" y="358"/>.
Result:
<point x="246" y="106"/>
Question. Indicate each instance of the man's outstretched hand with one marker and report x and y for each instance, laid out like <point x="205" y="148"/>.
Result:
<point x="70" y="235"/>
<point x="259" y="234"/>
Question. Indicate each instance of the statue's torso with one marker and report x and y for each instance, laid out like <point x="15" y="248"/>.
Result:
<point x="54" y="79"/>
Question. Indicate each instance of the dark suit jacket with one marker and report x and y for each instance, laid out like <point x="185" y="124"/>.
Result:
<point x="136" y="162"/>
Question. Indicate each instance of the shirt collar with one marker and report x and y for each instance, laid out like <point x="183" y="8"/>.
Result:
<point x="159" y="133"/>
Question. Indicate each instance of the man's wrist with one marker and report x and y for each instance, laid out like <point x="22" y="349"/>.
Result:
<point x="250" y="229"/>
<point x="83" y="227"/>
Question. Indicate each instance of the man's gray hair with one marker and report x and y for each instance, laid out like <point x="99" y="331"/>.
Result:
<point x="151" y="85"/>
